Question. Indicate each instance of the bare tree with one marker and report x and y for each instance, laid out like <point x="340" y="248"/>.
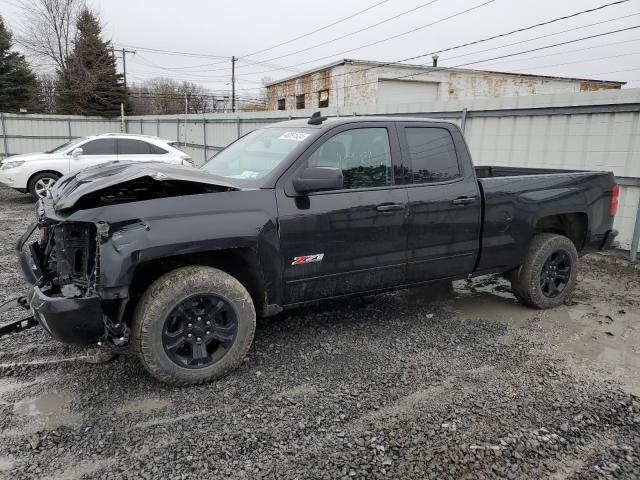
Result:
<point x="49" y="28"/>
<point x="164" y="96"/>
<point x="47" y="91"/>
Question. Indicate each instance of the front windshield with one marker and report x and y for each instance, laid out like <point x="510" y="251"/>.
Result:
<point x="66" y="145"/>
<point x="256" y="154"/>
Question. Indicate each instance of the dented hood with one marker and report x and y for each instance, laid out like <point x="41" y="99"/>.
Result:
<point x="71" y="188"/>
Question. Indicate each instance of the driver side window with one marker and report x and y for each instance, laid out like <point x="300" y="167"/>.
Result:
<point x="363" y="155"/>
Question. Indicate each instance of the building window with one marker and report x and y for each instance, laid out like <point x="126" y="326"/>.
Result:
<point x="323" y="98"/>
<point x="281" y="105"/>
<point x="300" y="101"/>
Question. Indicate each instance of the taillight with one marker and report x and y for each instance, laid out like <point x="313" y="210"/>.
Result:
<point x="186" y="160"/>
<point x="615" y="193"/>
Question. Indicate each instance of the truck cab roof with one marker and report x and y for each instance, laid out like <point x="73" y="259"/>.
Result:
<point x="336" y="121"/>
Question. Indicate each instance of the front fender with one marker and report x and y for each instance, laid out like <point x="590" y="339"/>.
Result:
<point x="130" y="235"/>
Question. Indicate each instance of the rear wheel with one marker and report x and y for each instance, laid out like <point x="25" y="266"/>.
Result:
<point x="193" y="325"/>
<point x="41" y="183"/>
<point x="548" y="275"/>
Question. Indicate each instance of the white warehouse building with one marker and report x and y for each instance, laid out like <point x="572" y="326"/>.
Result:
<point x="357" y="82"/>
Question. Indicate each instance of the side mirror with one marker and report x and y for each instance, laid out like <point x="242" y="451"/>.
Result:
<point x="76" y="153"/>
<point x="316" y="179"/>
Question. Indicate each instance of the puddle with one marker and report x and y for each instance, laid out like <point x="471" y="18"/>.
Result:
<point x="493" y="308"/>
<point x="47" y="411"/>
<point x="143" y="406"/>
<point x="598" y="332"/>
<point x="8" y="386"/>
<point x="603" y="336"/>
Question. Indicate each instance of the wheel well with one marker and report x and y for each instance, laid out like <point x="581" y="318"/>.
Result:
<point x="38" y="173"/>
<point x="241" y="263"/>
<point x="571" y="225"/>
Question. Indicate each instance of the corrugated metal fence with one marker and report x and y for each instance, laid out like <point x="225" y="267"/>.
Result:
<point x="593" y="131"/>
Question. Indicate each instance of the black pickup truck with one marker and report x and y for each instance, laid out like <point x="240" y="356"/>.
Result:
<point x="175" y="263"/>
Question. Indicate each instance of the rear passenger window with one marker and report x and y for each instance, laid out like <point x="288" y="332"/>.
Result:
<point x="128" y="146"/>
<point x="102" y="146"/>
<point x="363" y="155"/>
<point x="432" y="153"/>
<point x="156" y="150"/>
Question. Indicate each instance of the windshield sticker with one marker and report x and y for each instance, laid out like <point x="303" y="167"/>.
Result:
<point x="295" y="136"/>
<point x="245" y="174"/>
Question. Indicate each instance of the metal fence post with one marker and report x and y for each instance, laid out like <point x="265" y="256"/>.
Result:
<point x="238" y="131"/>
<point x="4" y="135"/>
<point x="158" y="127"/>
<point x="69" y="128"/>
<point x="141" y="127"/>
<point x="204" y="137"/>
<point x="635" y="240"/>
<point x="463" y="119"/>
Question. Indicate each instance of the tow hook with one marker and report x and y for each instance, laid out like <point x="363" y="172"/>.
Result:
<point x="17" y="325"/>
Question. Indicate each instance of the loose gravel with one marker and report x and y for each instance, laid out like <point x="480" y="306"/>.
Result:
<point x="458" y="382"/>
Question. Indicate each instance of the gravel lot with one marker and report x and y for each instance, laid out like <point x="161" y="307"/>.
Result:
<point x="424" y="383"/>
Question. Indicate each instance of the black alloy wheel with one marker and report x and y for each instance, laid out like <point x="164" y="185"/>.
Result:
<point x="555" y="273"/>
<point x="199" y="331"/>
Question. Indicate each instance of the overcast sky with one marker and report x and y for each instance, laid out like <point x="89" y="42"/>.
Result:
<point x="219" y="29"/>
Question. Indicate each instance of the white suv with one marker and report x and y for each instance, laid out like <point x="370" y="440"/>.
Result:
<point x="37" y="172"/>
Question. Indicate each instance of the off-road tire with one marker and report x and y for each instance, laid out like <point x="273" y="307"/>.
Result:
<point x="163" y="296"/>
<point x="36" y="178"/>
<point x="525" y="281"/>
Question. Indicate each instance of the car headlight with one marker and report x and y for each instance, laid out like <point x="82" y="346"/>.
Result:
<point x="11" y="164"/>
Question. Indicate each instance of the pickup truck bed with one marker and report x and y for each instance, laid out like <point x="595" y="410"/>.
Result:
<point x="517" y="201"/>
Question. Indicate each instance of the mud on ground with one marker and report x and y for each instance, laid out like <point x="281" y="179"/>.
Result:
<point x="424" y="383"/>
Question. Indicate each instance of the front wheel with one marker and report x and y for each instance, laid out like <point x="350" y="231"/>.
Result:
<point x="193" y="325"/>
<point x="549" y="272"/>
<point x="41" y="184"/>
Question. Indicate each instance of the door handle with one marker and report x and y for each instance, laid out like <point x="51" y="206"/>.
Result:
<point x="390" y="207"/>
<point x="463" y="200"/>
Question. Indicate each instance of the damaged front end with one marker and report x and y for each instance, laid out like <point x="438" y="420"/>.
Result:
<point x="63" y="265"/>
<point x="99" y="226"/>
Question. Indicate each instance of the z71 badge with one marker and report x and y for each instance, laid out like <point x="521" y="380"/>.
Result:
<point x="307" y="259"/>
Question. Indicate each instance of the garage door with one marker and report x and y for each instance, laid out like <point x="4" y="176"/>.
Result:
<point x="406" y="91"/>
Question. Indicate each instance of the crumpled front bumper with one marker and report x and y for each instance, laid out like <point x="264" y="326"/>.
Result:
<point x="70" y="320"/>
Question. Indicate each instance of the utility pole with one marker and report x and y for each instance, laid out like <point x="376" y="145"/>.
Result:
<point x="233" y="84"/>
<point x="124" y="64"/>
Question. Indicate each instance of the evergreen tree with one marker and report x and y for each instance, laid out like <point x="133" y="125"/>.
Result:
<point x="19" y="86"/>
<point x="90" y="83"/>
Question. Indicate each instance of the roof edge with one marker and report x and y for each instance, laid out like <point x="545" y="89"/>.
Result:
<point x="372" y="63"/>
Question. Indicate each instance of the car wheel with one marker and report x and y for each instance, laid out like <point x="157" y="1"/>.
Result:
<point x="41" y="183"/>
<point x="193" y="325"/>
<point x="548" y="275"/>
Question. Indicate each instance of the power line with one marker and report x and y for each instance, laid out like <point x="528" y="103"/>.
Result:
<point x="546" y="36"/>
<point x="487" y="39"/>
<point x="355" y="32"/>
<point x="493" y="37"/>
<point x="536" y="25"/>
<point x="200" y="55"/>
<point x="541" y="24"/>
<point x="173" y="52"/>
<point x="572" y="51"/>
<point x="317" y="29"/>
<point x="393" y="37"/>
<point x="583" y="61"/>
